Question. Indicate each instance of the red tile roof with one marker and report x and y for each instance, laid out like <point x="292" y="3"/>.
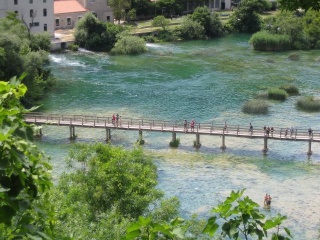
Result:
<point x="67" y="6"/>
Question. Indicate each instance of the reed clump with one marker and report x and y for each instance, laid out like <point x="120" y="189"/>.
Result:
<point x="290" y="89"/>
<point x="256" y="106"/>
<point x="175" y="143"/>
<point x="265" y="41"/>
<point x="277" y="94"/>
<point x="308" y="103"/>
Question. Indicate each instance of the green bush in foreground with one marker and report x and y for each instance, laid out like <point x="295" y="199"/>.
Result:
<point x="175" y="143"/>
<point x="308" y="103"/>
<point x="290" y="89"/>
<point x="256" y="106"/>
<point x="277" y="94"/>
<point x="264" y="41"/>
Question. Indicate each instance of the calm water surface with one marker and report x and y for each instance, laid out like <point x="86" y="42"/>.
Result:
<point x="205" y="81"/>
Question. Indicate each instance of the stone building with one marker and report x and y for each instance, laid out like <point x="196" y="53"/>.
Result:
<point x="67" y="13"/>
<point x="99" y="8"/>
<point x="38" y="15"/>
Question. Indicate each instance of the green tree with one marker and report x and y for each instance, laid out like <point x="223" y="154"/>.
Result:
<point x="160" y="21"/>
<point x="119" y="8"/>
<point x="293" y="5"/>
<point x="246" y="18"/>
<point x="210" y="22"/>
<point x="311" y="23"/>
<point x="24" y="171"/>
<point x="94" y="35"/>
<point x="19" y="54"/>
<point x="190" y="29"/>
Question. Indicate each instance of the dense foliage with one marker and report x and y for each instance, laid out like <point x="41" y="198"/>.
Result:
<point x="293" y="5"/>
<point x="129" y="44"/>
<point x="190" y="29"/>
<point x="246" y="18"/>
<point x="19" y="54"/>
<point x="289" y="31"/>
<point x="94" y="35"/>
<point x="24" y="175"/>
<point x="210" y="22"/>
<point x="112" y="187"/>
<point x="119" y="8"/>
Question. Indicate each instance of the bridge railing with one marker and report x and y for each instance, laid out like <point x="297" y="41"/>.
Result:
<point x="170" y="125"/>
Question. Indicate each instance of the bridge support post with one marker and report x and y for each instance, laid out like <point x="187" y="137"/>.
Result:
<point x="309" y="148"/>
<point x="197" y="143"/>
<point x="72" y="133"/>
<point x="140" y="140"/>
<point x="108" y="134"/>
<point x="265" y="145"/>
<point x="174" y="137"/>
<point x="223" y="146"/>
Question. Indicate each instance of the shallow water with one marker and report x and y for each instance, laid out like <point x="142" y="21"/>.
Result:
<point x="206" y="81"/>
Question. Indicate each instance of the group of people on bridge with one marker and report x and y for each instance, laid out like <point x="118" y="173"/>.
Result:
<point x="185" y="125"/>
<point x="116" y="120"/>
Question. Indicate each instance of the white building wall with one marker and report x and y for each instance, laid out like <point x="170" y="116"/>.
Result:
<point x="23" y="8"/>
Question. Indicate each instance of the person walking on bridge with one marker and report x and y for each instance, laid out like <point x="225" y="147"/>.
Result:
<point x="185" y="125"/>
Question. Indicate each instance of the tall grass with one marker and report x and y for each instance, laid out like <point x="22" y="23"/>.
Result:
<point x="265" y="41"/>
<point x="290" y="89"/>
<point x="308" y="103"/>
<point x="175" y="143"/>
<point x="256" y="106"/>
<point x="277" y="94"/>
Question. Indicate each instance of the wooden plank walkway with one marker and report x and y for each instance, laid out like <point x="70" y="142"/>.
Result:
<point x="174" y="127"/>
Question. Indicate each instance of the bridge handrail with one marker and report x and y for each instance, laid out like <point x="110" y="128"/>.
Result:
<point x="149" y="123"/>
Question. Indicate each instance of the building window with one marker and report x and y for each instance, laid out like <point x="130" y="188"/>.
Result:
<point x="30" y="1"/>
<point x="15" y="2"/>
<point x="108" y="18"/>
<point x="44" y="1"/>
<point x="31" y="13"/>
<point x="44" y="12"/>
<point x="68" y="21"/>
<point x="35" y="24"/>
<point x="57" y="22"/>
<point x="16" y="12"/>
<point x="45" y="27"/>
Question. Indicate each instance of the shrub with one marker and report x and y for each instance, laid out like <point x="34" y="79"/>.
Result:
<point x="256" y="106"/>
<point x="290" y="89"/>
<point x="277" y="94"/>
<point x="175" y="143"/>
<point x="73" y="47"/>
<point x="264" y="41"/>
<point x="308" y="103"/>
<point x="190" y="29"/>
<point x="167" y="36"/>
<point x="128" y="44"/>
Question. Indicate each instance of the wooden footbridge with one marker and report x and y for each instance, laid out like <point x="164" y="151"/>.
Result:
<point x="174" y="127"/>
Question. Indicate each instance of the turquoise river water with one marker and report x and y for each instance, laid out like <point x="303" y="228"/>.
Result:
<point x="206" y="81"/>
